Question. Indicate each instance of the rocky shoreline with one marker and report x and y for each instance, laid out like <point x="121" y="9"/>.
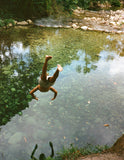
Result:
<point x="102" y="21"/>
<point x="105" y="21"/>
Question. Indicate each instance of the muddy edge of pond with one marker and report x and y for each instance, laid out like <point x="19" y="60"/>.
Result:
<point x="116" y="152"/>
<point x="102" y="21"/>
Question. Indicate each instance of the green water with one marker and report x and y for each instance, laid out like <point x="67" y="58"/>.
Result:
<point x="90" y="90"/>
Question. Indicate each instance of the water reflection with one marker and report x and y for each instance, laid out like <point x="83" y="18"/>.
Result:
<point x="117" y="67"/>
<point x="90" y="90"/>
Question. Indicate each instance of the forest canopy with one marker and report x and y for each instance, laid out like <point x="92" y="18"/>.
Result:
<point x="43" y="8"/>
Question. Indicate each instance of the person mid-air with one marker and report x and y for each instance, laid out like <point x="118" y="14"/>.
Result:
<point x="46" y="82"/>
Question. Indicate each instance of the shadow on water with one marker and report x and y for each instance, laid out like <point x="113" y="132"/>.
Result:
<point x="85" y="58"/>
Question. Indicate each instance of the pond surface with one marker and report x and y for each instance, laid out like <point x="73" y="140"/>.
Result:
<point x="90" y="90"/>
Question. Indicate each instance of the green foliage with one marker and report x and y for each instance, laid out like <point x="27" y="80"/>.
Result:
<point x="115" y="3"/>
<point x="39" y="8"/>
<point x="75" y="152"/>
<point x="70" y="153"/>
<point x="89" y="149"/>
<point x="84" y="4"/>
<point x="49" y="158"/>
<point x="69" y="4"/>
<point x="6" y="22"/>
<point x="1" y="23"/>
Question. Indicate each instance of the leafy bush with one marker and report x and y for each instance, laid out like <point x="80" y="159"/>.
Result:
<point x="1" y="23"/>
<point x="115" y="3"/>
<point x="84" y="4"/>
<point x="39" y="8"/>
<point x="8" y="21"/>
<point x="69" y="4"/>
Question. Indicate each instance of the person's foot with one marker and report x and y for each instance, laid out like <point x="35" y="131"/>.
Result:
<point x="48" y="57"/>
<point x="59" y="67"/>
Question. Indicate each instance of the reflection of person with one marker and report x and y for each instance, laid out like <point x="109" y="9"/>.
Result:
<point x="46" y="82"/>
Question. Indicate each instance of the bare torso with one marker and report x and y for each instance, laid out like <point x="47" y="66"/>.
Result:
<point x="42" y="89"/>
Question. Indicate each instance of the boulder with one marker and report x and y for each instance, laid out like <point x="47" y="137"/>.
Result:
<point x="112" y="23"/>
<point x="84" y="28"/>
<point x="22" y="23"/>
<point x="67" y="26"/>
<point x="29" y="21"/>
<point x="15" y="22"/>
<point x="75" y="26"/>
<point x="10" y="25"/>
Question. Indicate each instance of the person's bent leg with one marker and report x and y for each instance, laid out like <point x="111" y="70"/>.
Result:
<point x="44" y="69"/>
<point x="56" y="74"/>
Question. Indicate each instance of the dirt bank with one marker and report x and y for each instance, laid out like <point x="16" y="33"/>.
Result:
<point x="116" y="152"/>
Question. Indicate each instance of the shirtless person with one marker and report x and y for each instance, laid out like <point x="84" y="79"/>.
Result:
<point x="46" y="82"/>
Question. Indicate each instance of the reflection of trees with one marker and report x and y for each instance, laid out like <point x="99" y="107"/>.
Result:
<point x="88" y="64"/>
<point x="15" y="88"/>
<point x="18" y="72"/>
<point x="16" y="78"/>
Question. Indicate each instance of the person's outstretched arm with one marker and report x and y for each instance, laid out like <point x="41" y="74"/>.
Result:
<point x="32" y="92"/>
<point x="55" y="92"/>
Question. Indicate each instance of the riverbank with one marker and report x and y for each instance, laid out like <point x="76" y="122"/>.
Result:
<point x="102" y="21"/>
<point x="105" y="21"/>
<point x="116" y="152"/>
